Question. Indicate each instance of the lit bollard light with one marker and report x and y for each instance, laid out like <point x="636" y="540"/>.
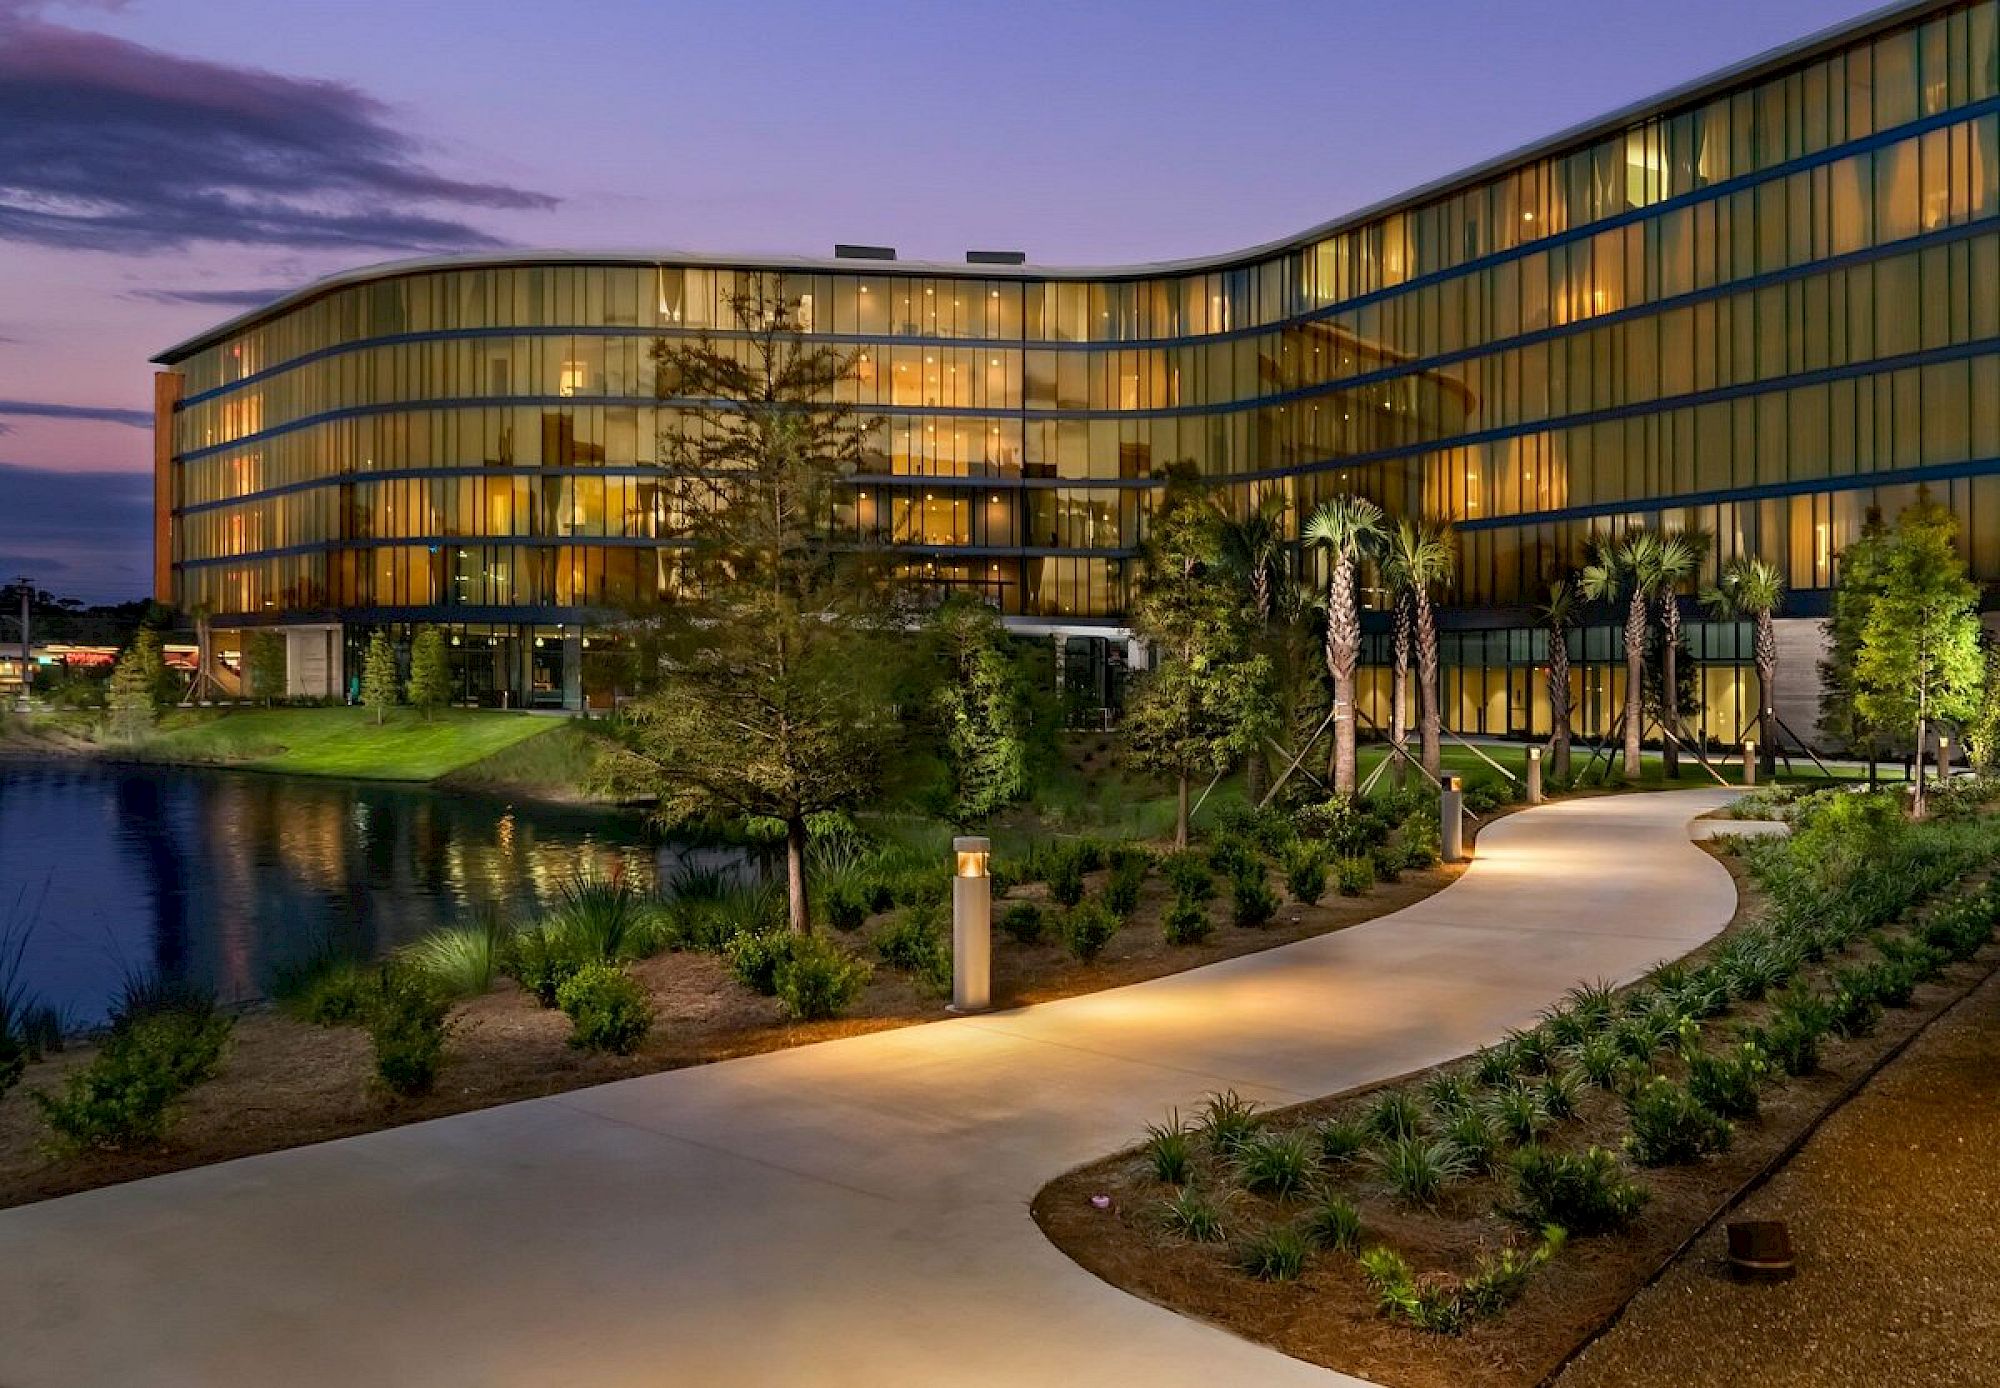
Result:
<point x="1534" y="775"/>
<point x="1749" y="761"/>
<point x="971" y="926"/>
<point x="1944" y="758"/>
<point x="1451" y="820"/>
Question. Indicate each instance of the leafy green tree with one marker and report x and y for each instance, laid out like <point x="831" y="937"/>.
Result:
<point x="983" y="708"/>
<point x="1982" y="731"/>
<point x="1628" y="568"/>
<point x="378" y="676"/>
<point x="1254" y="551"/>
<point x="1920" y="661"/>
<point x="1558" y="616"/>
<point x="762" y="700"/>
<point x="136" y="685"/>
<point x="264" y="662"/>
<point x="429" y="687"/>
<point x="1347" y="527"/>
<point x="1678" y="562"/>
<point x="1858" y="584"/>
<point x="1751" y="589"/>
<point x="1417" y="557"/>
<point x="1206" y="699"/>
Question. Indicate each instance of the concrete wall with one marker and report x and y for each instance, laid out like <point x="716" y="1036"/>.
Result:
<point x="312" y="662"/>
<point x="1801" y="647"/>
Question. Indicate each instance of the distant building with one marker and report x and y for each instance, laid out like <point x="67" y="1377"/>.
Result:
<point x="1757" y="305"/>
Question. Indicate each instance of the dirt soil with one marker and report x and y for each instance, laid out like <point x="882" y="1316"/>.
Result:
<point x="1328" y="1316"/>
<point x="1894" y="1211"/>
<point x="286" y="1083"/>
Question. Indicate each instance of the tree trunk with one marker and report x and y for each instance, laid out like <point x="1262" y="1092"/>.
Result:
<point x="1635" y="680"/>
<point x="1670" y="686"/>
<point x="1766" y="651"/>
<point x="1343" y="652"/>
<point x="1429" y="717"/>
<point x="1917" y="797"/>
<point x="1399" y="693"/>
<point x="795" y="874"/>
<point x="1181" y="811"/>
<point x="1559" y="703"/>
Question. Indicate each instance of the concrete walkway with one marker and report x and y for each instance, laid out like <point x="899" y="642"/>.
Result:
<point x="847" y="1213"/>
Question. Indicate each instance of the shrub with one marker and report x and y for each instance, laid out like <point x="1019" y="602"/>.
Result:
<point x="1305" y="872"/>
<point x="406" y="1024"/>
<point x="542" y="960"/>
<point x="125" y="1095"/>
<point x="1429" y="1305"/>
<point x="1501" y="1277"/>
<point x="328" y="991"/>
<point x="1854" y="1008"/>
<point x="1022" y="922"/>
<point x="1332" y="1224"/>
<point x="462" y="960"/>
<point x="1189" y="876"/>
<point x="1252" y="902"/>
<point x="1421" y="845"/>
<point x="1669" y="1126"/>
<point x="846" y="906"/>
<point x="1353" y="876"/>
<point x="1386" y="863"/>
<point x="1601" y="1061"/>
<point x="1394" y="1114"/>
<point x="1128" y="875"/>
<point x="1727" y="1084"/>
<point x="915" y="943"/>
<point x="1276" y="1254"/>
<point x="1227" y="1121"/>
<point x="1065" y="879"/>
<point x="1230" y="856"/>
<point x="1170" y="1150"/>
<point x="1187" y="922"/>
<point x="1192" y="1216"/>
<point x="1585" y="1193"/>
<point x="1416" y="1169"/>
<point x="1277" y="1164"/>
<point x="818" y="980"/>
<point x="1792" y="1039"/>
<point x="607" y="1009"/>
<point x="1340" y="1139"/>
<point x="754" y="956"/>
<point x="1087" y="928"/>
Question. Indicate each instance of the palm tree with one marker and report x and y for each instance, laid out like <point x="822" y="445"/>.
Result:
<point x="1627" y="568"/>
<point x="1558" y="615"/>
<point x="1346" y="527"/>
<point x="1417" y="556"/>
<point x="1752" y="589"/>
<point x="1253" y="545"/>
<point x="1680" y="556"/>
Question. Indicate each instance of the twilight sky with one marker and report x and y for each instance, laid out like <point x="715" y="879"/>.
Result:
<point x="164" y="163"/>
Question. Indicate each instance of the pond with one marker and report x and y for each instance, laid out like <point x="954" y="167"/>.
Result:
<point x="225" y="877"/>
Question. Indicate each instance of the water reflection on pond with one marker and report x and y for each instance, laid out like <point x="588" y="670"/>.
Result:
<point x="223" y="877"/>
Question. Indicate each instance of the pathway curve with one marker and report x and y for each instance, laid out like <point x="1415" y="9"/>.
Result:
<point x="854" y="1212"/>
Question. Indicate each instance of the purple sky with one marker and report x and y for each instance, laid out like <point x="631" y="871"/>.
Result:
<point x="163" y="163"/>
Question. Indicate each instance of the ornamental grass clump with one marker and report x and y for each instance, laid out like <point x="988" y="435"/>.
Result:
<point x="1341" y="1140"/>
<point x="1561" y="1091"/>
<point x="607" y="1008"/>
<point x="1585" y="1193"/>
<point x="1228" y="1121"/>
<point x="1475" y="1137"/>
<point x="1169" y="1150"/>
<point x="1395" y="1114"/>
<point x="1332" y="1225"/>
<point x="1447" y="1092"/>
<point x="1417" y="1169"/>
<point x="1792" y="1036"/>
<point x="1277" y="1164"/>
<point x="1668" y="1126"/>
<point x="1191" y="1215"/>
<point x="463" y="960"/>
<point x="1276" y="1254"/>
<point x="1519" y="1112"/>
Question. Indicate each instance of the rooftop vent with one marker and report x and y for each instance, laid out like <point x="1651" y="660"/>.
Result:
<point x="996" y="257"/>
<point x="846" y="252"/>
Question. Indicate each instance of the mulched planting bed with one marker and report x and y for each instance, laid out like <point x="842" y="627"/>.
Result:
<point x="1329" y="1314"/>
<point x="284" y="1082"/>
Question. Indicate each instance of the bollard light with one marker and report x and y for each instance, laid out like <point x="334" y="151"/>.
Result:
<point x="971" y="926"/>
<point x="1451" y="820"/>
<point x="1944" y="758"/>
<point x="1749" y="761"/>
<point x="1534" y="775"/>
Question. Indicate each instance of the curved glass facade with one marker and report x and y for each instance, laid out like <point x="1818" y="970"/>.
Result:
<point x="1757" y="308"/>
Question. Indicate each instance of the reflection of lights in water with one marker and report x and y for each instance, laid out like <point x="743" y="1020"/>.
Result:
<point x="505" y="831"/>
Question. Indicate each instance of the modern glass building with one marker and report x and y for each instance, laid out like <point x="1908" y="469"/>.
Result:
<point x="1757" y="306"/>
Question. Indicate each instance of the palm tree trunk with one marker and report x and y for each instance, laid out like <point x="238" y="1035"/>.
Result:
<point x="795" y="874"/>
<point x="1399" y="692"/>
<point x="1428" y="716"/>
<point x="1559" y="731"/>
<point x="1670" y="685"/>
<point x="1766" y="651"/>
<point x="1635" y="679"/>
<point x="1343" y="651"/>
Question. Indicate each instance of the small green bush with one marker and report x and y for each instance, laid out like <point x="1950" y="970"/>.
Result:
<point x="1231" y="856"/>
<point x="754" y="956"/>
<point x="1277" y="1164"/>
<point x="1170" y="1150"/>
<point x="1128" y="876"/>
<point x="1332" y="1224"/>
<point x="846" y="906"/>
<point x="817" y="980"/>
<point x="1353" y="876"/>
<point x="1187" y="922"/>
<point x="1022" y="922"/>
<point x="336" y="992"/>
<point x="1227" y="1121"/>
<point x="1065" y="878"/>
<point x="1276" y="1254"/>
<point x="1430" y="1304"/>
<point x="542" y="960"/>
<point x="1189" y="876"/>
<point x="915" y="942"/>
<point x="607" y="1009"/>
<point x="1585" y="1193"/>
<point x="1305" y="872"/>
<point x="1087" y="928"/>
<point x="407" y="1027"/>
<point x="1192" y="1216"/>
<point x="124" y="1097"/>
<point x="1792" y="1038"/>
<point x="1727" y="1084"/>
<point x="1669" y="1126"/>
<point x="1420" y="842"/>
<point x="1251" y="901"/>
<point x="1386" y="863"/>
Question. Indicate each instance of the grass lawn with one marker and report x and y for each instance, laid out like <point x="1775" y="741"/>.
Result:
<point x="343" y="741"/>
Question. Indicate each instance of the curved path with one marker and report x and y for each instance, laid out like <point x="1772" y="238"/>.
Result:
<point x="847" y="1213"/>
